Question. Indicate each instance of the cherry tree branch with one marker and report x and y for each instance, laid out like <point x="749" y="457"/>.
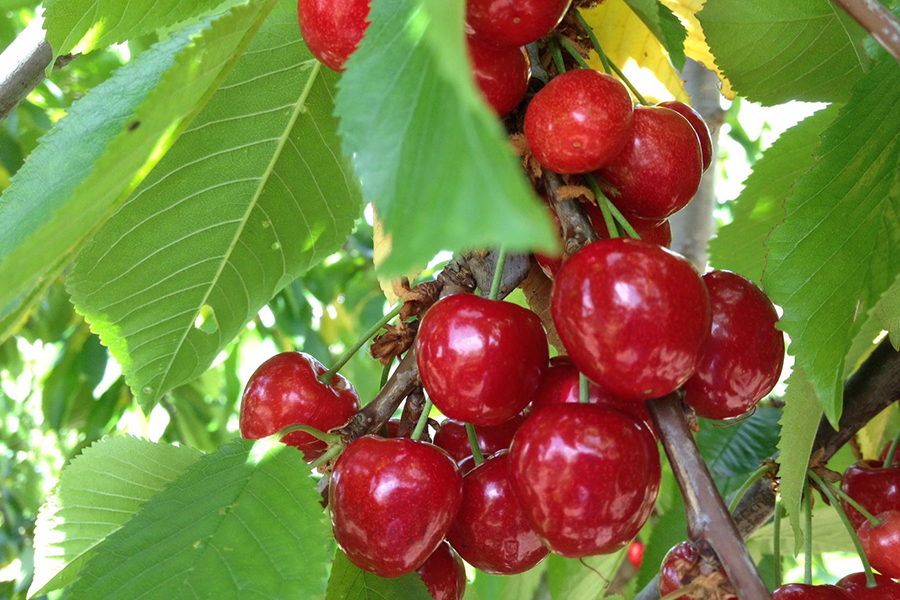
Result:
<point x="877" y="20"/>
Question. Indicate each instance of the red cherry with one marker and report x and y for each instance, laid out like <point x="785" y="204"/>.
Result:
<point x="659" y="170"/>
<point x="633" y="316"/>
<point x="877" y="489"/>
<point x="655" y="232"/>
<point x="699" y="126"/>
<point x="392" y="502"/>
<point x="514" y="22"/>
<point x="579" y="122"/>
<point x="798" y="591"/>
<point x="743" y="357"/>
<point x="636" y="554"/>
<point x="453" y="437"/>
<point x="882" y="544"/>
<point x="501" y="74"/>
<point x="481" y="360"/>
<point x="285" y="390"/>
<point x="586" y="477"/>
<point x="683" y="564"/>
<point x="857" y="586"/>
<point x="491" y="532"/>
<point x="332" y="29"/>
<point x="443" y="574"/>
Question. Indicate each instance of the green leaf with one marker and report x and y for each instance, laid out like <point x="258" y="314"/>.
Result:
<point x="773" y="51"/>
<point x="584" y="579"/>
<point x="737" y="449"/>
<point x="829" y="534"/>
<point x="508" y="587"/>
<point x="351" y="583"/>
<point x="740" y="246"/>
<point x="663" y="23"/>
<point x="802" y="414"/>
<point x="88" y="163"/>
<point x="838" y="249"/>
<point x="252" y="195"/>
<point x="425" y="145"/>
<point x="887" y="311"/>
<point x="244" y="520"/>
<point x="97" y="494"/>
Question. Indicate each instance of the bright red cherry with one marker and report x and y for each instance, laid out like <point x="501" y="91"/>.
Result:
<point x="491" y="532"/>
<point x="453" y="437"/>
<point x="877" y="489"/>
<point x="882" y="543"/>
<point x="586" y="477"/>
<point x="633" y="316"/>
<point x="285" y="390"/>
<point x="501" y="74"/>
<point x="683" y="564"/>
<point x="798" y="591"/>
<point x="481" y="360"/>
<point x="514" y="23"/>
<point x="659" y="171"/>
<point x="636" y="554"/>
<point x="699" y="126"/>
<point x="743" y="357"/>
<point x="332" y="29"/>
<point x="443" y="574"/>
<point x="392" y="502"/>
<point x="579" y="122"/>
<point x="857" y="586"/>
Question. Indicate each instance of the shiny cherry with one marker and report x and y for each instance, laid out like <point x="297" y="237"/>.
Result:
<point x="798" y="591"/>
<point x="491" y="532"/>
<point x="882" y="543"/>
<point x="744" y="354"/>
<point x="481" y="360"/>
<point x="443" y="574"/>
<point x="332" y="29"/>
<point x="684" y="563"/>
<point x="699" y="125"/>
<point x="514" y="23"/>
<point x="655" y="232"/>
<point x="501" y="74"/>
<point x="586" y="477"/>
<point x="579" y="122"/>
<point x="453" y="437"/>
<point x="633" y="316"/>
<point x="857" y="586"/>
<point x="636" y="554"/>
<point x="659" y="170"/>
<point x="877" y="489"/>
<point x="285" y="390"/>
<point x="392" y="502"/>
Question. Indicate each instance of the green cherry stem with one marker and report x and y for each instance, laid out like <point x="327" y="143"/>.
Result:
<point x="875" y="521"/>
<point x="498" y="273"/>
<point x="386" y="372"/>
<point x="892" y="452"/>
<point x="328" y="438"/>
<point x="621" y="220"/>
<point x="329" y="454"/>
<point x="423" y="420"/>
<point x="631" y="87"/>
<point x="473" y="443"/>
<point x="590" y="33"/>
<point x="603" y="203"/>
<point x="345" y="358"/>
<point x="574" y="53"/>
<point x="557" y="55"/>
<point x="584" y="391"/>
<point x="776" y="543"/>
<point x="742" y="491"/>
<point x="808" y="570"/>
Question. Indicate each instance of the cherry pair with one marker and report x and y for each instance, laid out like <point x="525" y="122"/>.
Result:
<point x="877" y="489"/>
<point x="850" y="587"/>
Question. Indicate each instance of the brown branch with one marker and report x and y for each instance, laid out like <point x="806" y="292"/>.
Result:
<point x="412" y="410"/>
<point x="577" y="230"/>
<point x="877" y="20"/>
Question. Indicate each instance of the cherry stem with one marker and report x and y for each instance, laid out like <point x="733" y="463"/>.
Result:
<point x="328" y="438"/>
<point x="620" y="218"/>
<point x="328" y="375"/>
<point x="572" y="51"/>
<point x="473" y="443"/>
<point x="557" y="55"/>
<point x="498" y="273"/>
<point x="386" y="372"/>
<point x="329" y="454"/>
<point x="776" y="543"/>
<point x="423" y="420"/>
<point x="892" y="452"/>
<point x="808" y="570"/>
<point x="745" y="487"/>
<point x="875" y="521"/>
<point x="603" y="203"/>
<point x="590" y="33"/>
<point x="584" y="391"/>
<point x="826" y="489"/>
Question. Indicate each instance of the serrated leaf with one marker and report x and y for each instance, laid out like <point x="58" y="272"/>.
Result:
<point x="425" y="145"/>
<point x="507" y="587"/>
<point x="737" y="449"/>
<point x="351" y="583"/>
<point x="695" y="46"/>
<point x="97" y="494"/>
<point x="740" y="246"/>
<point x="838" y="249"/>
<point x="774" y="51"/>
<point x="252" y="195"/>
<point x="243" y="520"/>
<point x="572" y="579"/>
<point x="93" y="157"/>
<point x="660" y="20"/>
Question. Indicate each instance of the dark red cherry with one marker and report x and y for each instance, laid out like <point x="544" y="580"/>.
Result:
<point x="491" y="532"/>
<point x="285" y="390"/>
<point x="392" y="502"/>
<point x="332" y="29"/>
<point x="481" y="360"/>
<point x="743" y="357"/>
<point x="877" y="489"/>
<point x="453" y="437"/>
<point x="857" y="586"/>
<point x="699" y="126"/>
<point x="501" y="74"/>
<point x="659" y="170"/>
<point x="798" y="591"/>
<point x="882" y="543"/>
<point x="636" y="554"/>
<point x="684" y="563"/>
<point x="579" y="122"/>
<point x="443" y="574"/>
<point x="514" y="23"/>
<point x="633" y="316"/>
<point x="586" y="477"/>
<point x="655" y="232"/>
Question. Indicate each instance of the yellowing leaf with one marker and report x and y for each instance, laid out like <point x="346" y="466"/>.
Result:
<point x="381" y="249"/>
<point x="695" y="45"/>
<point x="871" y="436"/>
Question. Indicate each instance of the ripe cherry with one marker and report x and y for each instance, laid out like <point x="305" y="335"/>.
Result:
<point x="877" y="489"/>
<point x="659" y="170"/>
<point x="586" y="477"/>
<point x="481" y="360"/>
<point x="332" y="29"/>
<point x="491" y="532"/>
<point x="882" y="544"/>
<point x="453" y="437"/>
<point x="579" y="122"/>
<point x="514" y="23"/>
<point x="501" y="74"/>
<point x="633" y="316"/>
<point x="285" y="390"/>
<point x="699" y="126"/>
<point x="636" y="554"/>
<point x="743" y="357"/>
<point x="857" y="586"/>
<point x="392" y="502"/>
<point x="443" y="574"/>
<point x="684" y="563"/>
<point x="799" y="591"/>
